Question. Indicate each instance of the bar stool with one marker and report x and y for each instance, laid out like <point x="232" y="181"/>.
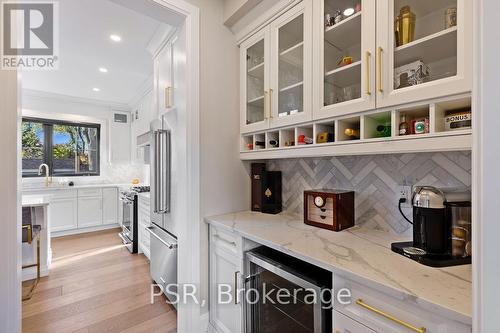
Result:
<point x="30" y="232"/>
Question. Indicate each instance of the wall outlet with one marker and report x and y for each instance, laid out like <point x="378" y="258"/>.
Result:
<point x="405" y="191"/>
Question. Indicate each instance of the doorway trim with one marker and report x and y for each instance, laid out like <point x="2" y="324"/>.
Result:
<point x="188" y="318"/>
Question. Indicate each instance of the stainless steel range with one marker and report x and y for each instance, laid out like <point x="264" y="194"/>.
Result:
<point x="129" y="234"/>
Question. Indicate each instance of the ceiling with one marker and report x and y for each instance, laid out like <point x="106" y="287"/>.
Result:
<point x="85" y="46"/>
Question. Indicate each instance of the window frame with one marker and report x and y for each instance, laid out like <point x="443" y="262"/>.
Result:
<point x="48" y="158"/>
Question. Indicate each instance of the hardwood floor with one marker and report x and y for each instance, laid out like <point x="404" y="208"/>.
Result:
<point x="95" y="285"/>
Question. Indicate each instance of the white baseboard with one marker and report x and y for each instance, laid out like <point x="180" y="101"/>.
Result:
<point x="83" y="230"/>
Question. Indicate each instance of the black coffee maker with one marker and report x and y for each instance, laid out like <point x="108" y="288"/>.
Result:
<point x="432" y="230"/>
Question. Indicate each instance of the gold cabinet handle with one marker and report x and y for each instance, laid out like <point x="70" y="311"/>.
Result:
<point x="367" y="73"/>
<point x="168" y="97"/>
<point x="380" y="50"/>
<point x="271" y="91"/>
<point x="236" y="301"/>
<point x="390" y="317"/>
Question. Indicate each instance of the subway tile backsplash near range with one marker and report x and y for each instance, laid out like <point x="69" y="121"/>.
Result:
<point x="376" y="180"/>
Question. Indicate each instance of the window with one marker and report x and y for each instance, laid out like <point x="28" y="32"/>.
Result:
<point x="69" y="149"/>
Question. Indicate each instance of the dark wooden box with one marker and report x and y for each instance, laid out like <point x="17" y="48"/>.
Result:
<point x="329" y="209"/>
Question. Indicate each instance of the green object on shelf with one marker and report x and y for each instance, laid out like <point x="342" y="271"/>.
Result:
<point x="383" y="131"/>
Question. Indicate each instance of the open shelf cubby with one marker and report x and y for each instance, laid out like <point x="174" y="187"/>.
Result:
<point x="259" y="141"/>
<point x="369" y="139"/>
<point x="308" y="132"/>
<point x="413" y="114"/>
<point x="287" y="137"/>
<point x="324" y="132"/>
<point x="247" y="143"/>
<point x="378" y="125"/>
<point x="349" y="129"/>
<point x="272" y="140"/>
<point x="453" y="115"/>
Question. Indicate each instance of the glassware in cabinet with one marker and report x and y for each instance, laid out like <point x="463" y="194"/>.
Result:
<point x="255" y="84"/>
<point x="425" y="50"/>
<point x="346" y="57"/>
<point x="291" y="72"/>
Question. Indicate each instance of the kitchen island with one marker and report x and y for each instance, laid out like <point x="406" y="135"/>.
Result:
<point x="362" y="255"/>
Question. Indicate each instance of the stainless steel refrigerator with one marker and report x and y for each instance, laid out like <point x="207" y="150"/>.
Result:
<point x="163" y="223"/>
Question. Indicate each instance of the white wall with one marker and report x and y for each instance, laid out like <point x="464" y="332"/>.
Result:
<point x="225" y="183"/>
<point x="115" y="137"/>
<point x="10" y="237"/>
<point x="235" y="9"/>
<point x="144" y="110"/>
<point x="486" y="157"/>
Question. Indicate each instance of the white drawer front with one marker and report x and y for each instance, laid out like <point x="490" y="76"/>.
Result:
<point x="62" y="194"/>
<point x="90" y="192"/>
<point x="226" y="240"/>
<point x="387" y="314"/>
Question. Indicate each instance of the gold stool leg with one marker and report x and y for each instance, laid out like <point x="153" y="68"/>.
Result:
<point x="32" y="290"/>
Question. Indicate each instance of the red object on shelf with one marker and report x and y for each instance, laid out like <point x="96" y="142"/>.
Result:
<point x="358" y="8"/>
<point x="301" y="139"/>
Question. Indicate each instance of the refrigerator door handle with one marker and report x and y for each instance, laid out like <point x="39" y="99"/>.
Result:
<point x="162" y="171"/>
<point x="165" y="242"/>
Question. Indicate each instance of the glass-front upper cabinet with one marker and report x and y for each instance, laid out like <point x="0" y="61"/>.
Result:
<point x="424" y="49"/>
<point x="346" y="57"/>
<point x="291" y="66"/>
<point x="254" y="66"/>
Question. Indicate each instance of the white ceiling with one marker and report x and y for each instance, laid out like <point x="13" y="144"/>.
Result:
<point x="85" y="46"/>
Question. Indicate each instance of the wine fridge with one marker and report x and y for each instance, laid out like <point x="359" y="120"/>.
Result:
<point x="284" y="294"/>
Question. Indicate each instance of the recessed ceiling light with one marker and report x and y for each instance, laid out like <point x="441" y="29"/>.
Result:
<point x="115" y="38"/>
<point x="96" y="89"/>
<point x="349" y="11"/>
<point x="103" y="69"/>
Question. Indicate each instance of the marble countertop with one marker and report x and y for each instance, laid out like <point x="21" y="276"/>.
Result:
<point x="56" y="187"/>
<point x="35" y="200"/>
<point x="360" y="253"/>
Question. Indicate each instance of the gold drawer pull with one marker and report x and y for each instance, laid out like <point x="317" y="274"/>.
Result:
<point x="390" y="317"/>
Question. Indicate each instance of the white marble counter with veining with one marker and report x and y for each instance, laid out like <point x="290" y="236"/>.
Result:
<point x="360" y="253"/>
<point x="57" y="187"/>
<point x="35" y="200"/>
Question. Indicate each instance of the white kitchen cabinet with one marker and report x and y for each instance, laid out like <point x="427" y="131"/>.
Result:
<point x="90" y="211"/>
<point x="110" y="205"/>
<point x="63" y="213"/>
<point x="345" y="53"/>
<point x="445" y="50"/>
<point x="226" y="268"/>
<point x="276" y="76"/>
<point x="291" y="60"/>
<point x="254" y="85"/>
<point x="164" y="79"/>
<point x="386" y="313"/>
<point x="344" y="324"/>
<point x="143" y="223"/>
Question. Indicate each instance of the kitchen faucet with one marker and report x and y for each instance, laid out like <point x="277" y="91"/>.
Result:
<point x="47" y="180"/>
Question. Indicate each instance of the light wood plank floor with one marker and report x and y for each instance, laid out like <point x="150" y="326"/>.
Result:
<point x="95" y="285"/>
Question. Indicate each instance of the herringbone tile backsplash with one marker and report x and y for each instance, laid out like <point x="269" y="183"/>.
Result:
<point x="375" y="179"/>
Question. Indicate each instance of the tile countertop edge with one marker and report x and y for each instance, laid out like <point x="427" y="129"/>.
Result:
<point x="401" y="294"/>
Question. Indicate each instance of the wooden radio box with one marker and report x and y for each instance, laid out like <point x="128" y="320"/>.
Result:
<point x="329" y="209"/>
